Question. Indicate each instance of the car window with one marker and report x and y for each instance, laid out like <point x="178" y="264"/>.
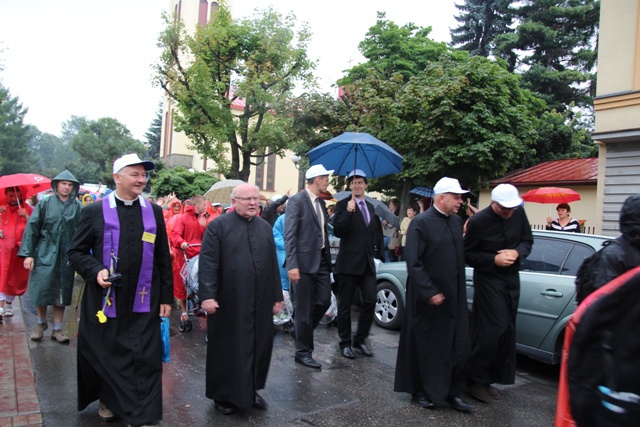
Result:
<point x="578" y="253"/>
<point x="547" y="256"/>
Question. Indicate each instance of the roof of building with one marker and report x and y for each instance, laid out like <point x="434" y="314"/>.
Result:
<point x="574" y="171"/>
<point x="237" y="103"/>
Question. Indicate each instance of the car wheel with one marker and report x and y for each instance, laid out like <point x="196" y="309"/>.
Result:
<point x="389" y="306"/>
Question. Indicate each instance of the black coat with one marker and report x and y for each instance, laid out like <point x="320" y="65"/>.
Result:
<point x="120" y="361"/>
<point x="238" y="268"/>
<point x="496" y="293"/>
<point x="359" y="243"/>
<point x="434" y="341"/>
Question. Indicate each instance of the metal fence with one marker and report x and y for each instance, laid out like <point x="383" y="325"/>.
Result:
<point x="584" y="229"/>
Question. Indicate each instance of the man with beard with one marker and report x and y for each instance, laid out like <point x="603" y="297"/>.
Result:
<point x="121" y="250"/>
<point x="239" y="286"/>
<point x="434" y="341"/>
<point x="13" y="276"/>
<point x="498" y="239"/>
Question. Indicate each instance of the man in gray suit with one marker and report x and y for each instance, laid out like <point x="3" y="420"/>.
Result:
<point x="308" y="260"/>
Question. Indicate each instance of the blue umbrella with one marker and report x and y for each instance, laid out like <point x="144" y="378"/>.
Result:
<point x="422" y="191"/>
<point x="354" y="150"/>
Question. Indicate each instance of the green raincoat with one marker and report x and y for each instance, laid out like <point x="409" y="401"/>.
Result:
<point x="46" y="239"/>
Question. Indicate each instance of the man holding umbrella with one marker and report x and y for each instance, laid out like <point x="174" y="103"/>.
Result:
<point x="361" y="241"/>
<point x="13" y="220"/>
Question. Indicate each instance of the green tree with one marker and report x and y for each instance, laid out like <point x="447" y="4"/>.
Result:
<point x="181" y="182"/>
<point x="153" y="134"/>
<point x="555" y="45"/>
<point x="99" y="143"/>
<point x="465" y="117"/>
<point x="480" y="22"/>
<point x="457" y="115"/>
<point x="252" y="64"/>
<point x="14" y="135"/>
<point x="50" y="154"/>
<point x="394" y="49"/>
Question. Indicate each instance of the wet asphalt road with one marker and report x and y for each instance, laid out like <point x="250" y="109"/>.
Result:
<point x="344" y="393"/>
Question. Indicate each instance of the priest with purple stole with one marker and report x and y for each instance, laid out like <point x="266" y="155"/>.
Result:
<point x="121" y="250"/>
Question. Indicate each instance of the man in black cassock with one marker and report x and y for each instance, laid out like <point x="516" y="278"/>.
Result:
<point x="498" y="239"/>
<point x="434" y="341"/>
<point x="240" y="289"/>
<point x="119" y="344"/>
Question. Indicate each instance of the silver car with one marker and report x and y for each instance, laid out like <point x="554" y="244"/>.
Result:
<point x="547" y="291"/>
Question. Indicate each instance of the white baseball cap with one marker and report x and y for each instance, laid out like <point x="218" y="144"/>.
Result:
<point x="131" y="160"/>
<point x="357" y="172"/>
<point x="448" y="185"/>
<point x="317" y="170"/>
<point x="506" y="195"/>
<point x="276" y="197"/>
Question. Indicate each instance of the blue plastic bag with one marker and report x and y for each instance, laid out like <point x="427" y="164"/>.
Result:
<point x="164" y="335"/>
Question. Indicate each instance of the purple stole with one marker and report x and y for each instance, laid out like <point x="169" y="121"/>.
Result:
<point x="111" y="241"/>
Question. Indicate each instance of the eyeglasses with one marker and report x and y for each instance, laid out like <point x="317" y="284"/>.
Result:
<point x="502" y="208"/>
<point x="247" y="199"/>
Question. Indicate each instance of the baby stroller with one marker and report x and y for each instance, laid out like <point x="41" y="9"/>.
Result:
<point x="189" y="274"/>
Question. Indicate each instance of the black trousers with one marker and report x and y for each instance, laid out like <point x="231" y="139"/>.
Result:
<point x="313" y="297"/>
<point x="348" y="284"/>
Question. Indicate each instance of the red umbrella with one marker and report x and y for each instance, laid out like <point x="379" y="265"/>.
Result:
<point x="29" y="183"/>
<point x="551" y="195"/>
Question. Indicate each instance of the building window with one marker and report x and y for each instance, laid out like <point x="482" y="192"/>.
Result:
<point x="260" y="175"/>
<point x="271" y="172"/>
<point x="214" y="10"/>
<point x="202" y="13"/>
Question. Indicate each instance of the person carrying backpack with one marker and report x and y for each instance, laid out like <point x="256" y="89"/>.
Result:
<point x="617" y="256"/>
<point x="600" y="372"/>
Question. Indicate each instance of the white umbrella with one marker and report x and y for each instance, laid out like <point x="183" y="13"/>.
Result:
<point x="220" y="192"/>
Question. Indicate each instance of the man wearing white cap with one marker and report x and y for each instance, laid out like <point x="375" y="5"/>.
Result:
<point x="121" y="250"/>
<point x="361" y="240"/>
<point x="498" y="239"/>
<point x="308" y="260"/>
<point x="434" y="341"/>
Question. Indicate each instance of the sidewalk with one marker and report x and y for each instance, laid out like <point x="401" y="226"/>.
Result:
<point x="19" y="404"/>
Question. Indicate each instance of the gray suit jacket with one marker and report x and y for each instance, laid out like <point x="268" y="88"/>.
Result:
<point x="303" y="235"/>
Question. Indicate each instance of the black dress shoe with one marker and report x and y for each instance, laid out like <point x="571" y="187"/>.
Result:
<point x="363" y="349"/>
<point x="348" y="353"/>
<point x="423" y="401"/>
<point x="308" y="362"/>
<point x="459" y="404"/>
<point x="260" y="403"/>
<point x="227" y="408"/>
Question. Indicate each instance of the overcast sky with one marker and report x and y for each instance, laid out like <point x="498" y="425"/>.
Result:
<point x="93" y="57"/>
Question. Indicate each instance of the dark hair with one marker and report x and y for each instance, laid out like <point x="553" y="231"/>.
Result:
<point x="15" y="190"/>
<point x="356" y="176"/>
<point x="564" y="206"/>
<point x="396" y="204"/>
<point x="414" y="207"/>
